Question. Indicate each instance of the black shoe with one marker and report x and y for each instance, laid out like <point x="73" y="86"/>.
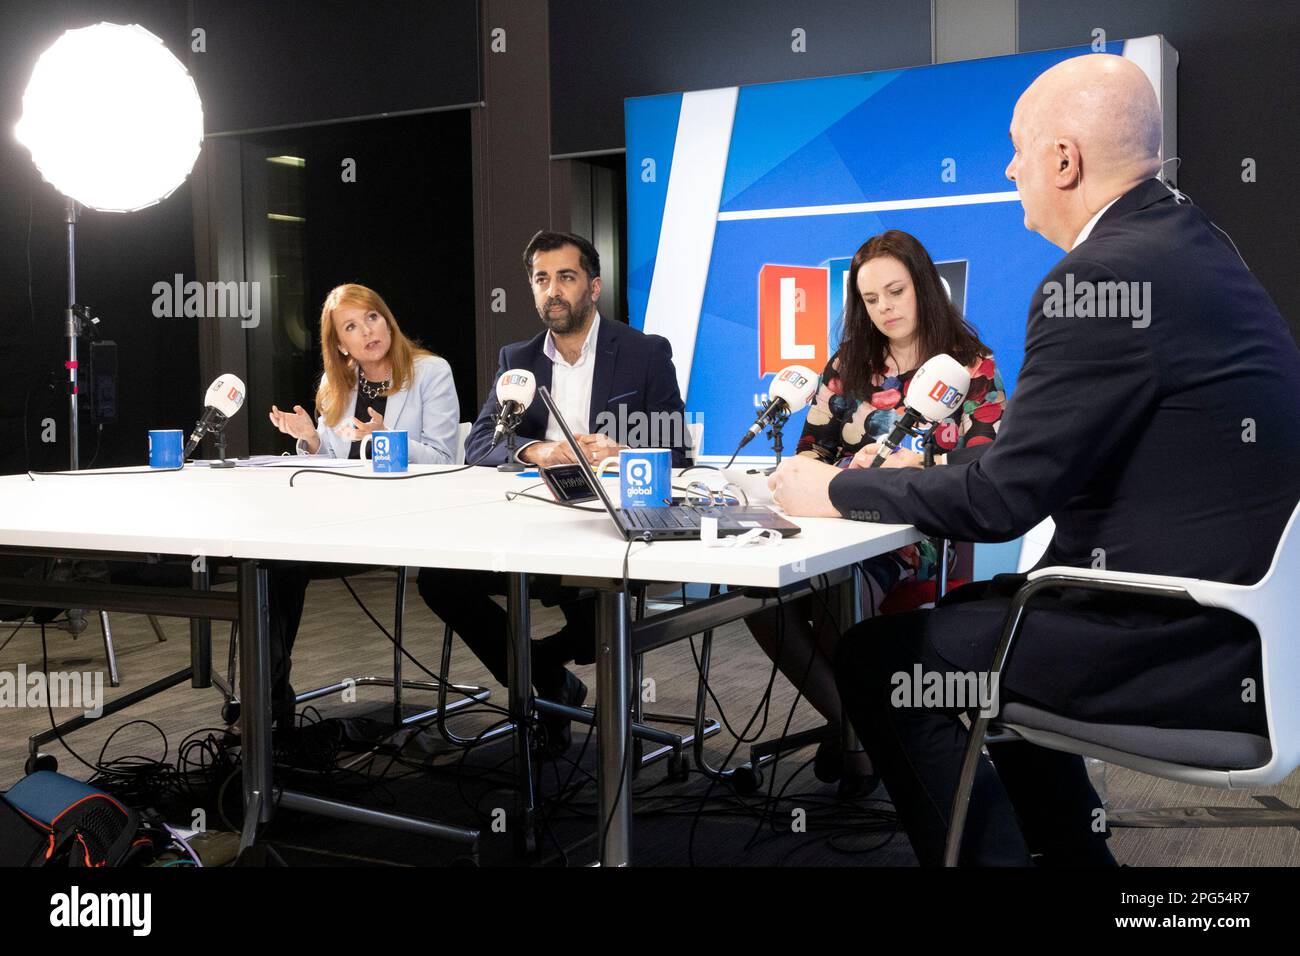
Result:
<point x="555" y="735"/>
<point x="828" y="764"/>
<point x="284" y="711"/>
<point x="828" y="767"/>
<point x="852" y="786"/>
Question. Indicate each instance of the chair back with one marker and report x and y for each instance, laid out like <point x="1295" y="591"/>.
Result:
<point x="1271" y="605"/>
<point x="1034" y="544"/>
<point x="462" y="434"/>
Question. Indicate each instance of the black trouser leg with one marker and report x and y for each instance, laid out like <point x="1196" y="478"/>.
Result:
<point x="463" y="599"/>
<point x="918" y="751"/>
<point x="1038" y="800"/>
<point x="1055" y="802"/>
<point x="577" y="641"/>
<point x="286" y="596"/>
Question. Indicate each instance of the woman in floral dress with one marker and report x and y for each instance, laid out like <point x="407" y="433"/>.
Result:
<point x="898" y="317"/>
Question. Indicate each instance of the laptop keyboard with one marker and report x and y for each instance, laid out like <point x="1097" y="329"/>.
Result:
<point x="659" y="519"/>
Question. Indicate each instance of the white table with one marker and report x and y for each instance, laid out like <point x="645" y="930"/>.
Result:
<point x="458" y="520"/>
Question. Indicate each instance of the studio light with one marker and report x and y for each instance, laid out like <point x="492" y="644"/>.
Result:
<point x="113" y="121"/>
<point x="111" y="117"/>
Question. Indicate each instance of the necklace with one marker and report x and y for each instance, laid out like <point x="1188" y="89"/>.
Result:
<point x="373" y="389"/>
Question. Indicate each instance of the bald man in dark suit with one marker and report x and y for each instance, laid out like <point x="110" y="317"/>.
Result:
<point x="1155" y="420"/>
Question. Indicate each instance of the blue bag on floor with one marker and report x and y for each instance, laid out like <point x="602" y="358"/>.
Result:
<point x="47" y="819"/>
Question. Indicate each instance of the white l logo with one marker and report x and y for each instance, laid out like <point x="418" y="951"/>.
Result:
<point x="789" y="348"/>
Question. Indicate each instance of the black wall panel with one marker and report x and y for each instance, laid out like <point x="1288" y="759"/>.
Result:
<point x="605" y="50"/>
<point x="1238" y="98"/>
<point x="269" y="63"/>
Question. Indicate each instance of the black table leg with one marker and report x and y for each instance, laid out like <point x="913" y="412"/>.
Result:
<point x="255" y="698"/>
<point x="520" y="697"/>
<point x="614" y="727"/>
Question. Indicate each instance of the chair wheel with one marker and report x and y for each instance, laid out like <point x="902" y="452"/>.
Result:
<point x="230" y="711"/>
<point x="38" y="762"/>
<point x="679" y="767"/>
<point x="747" y="780"/>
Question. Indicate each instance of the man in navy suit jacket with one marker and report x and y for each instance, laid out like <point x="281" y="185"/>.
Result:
<point x="633" y="375"/>
<point x="1154" y="419"/>
<point x="604" y="376"/>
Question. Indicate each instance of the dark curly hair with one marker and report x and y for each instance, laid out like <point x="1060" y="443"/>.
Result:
<point x="547" y="241"/>
<point x="940" y="327"/>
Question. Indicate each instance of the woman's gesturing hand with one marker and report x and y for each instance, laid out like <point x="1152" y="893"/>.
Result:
<point x="296" y="424"/>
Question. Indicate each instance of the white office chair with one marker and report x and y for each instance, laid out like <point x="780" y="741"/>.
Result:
<point x="462" y="434"/>
<point x="1207" y="758"/>
<point x="1034" y="544"/>
<point x="469" y="694"/>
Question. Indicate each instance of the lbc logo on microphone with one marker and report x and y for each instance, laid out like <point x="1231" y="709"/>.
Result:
<point x="945" y="395"/>
<point x="793" y="376"/>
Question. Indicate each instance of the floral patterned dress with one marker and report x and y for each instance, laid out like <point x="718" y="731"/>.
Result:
<point x="839" y="425"/>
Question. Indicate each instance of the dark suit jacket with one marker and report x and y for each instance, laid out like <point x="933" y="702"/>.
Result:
<point x="1168" y="444"/>
<point x="633" y="371"/>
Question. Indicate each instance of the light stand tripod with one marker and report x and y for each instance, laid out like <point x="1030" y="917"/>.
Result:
<point x="73" y="331"/>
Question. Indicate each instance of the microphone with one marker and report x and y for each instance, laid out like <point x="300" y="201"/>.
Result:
<point x="792" y="389"/>
<point x="224" y="398"/>
<point x="515" y="390"/>
<point x="936" y="391"/>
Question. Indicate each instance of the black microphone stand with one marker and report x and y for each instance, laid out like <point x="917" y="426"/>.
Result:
<point x="512" y="464"/>
<point x="220" y="438"/>
<point x="775" y="430"/>
<point x="927" y="461"/>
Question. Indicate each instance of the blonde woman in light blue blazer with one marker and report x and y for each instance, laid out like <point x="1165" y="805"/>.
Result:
<point x="375" y="379"/>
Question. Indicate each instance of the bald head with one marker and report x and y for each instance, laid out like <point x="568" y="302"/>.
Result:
<point x="1106" y="104"/>
<point x="1086" y="130"/>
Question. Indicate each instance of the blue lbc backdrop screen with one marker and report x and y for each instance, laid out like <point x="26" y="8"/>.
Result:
<point x="809" y="171"/>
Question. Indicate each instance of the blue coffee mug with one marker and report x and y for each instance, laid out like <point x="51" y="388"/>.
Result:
<point x="166" y="448"/>
<point x="645" y="477"/>
<point x="388" y="452"/>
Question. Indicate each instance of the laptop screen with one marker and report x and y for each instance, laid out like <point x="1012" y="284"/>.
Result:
<point x="596" y="485"/>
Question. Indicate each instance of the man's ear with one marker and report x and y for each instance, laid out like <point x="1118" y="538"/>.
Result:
<point x="595" y="288"/>
<point x="1065" y="154"/>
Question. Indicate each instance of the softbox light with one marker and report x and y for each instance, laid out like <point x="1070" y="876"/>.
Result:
<point x="111" y="117"/>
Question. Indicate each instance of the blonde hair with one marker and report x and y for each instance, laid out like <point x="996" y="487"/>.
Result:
<point x="340" y="375"/>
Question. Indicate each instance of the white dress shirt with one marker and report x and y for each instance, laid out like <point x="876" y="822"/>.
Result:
<point x="570" y="386"/>
<point x="1087" y="227"/>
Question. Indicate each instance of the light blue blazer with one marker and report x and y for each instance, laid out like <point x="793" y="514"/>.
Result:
<point x="427" y="410"/>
